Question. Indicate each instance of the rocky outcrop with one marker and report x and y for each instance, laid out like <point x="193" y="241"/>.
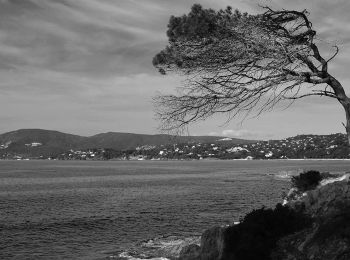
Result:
<point x="211" y="246"/>
<point x="328" y="238"/>
<point x="213" y="243"/>
<point x="190" y="252"/>
<point x="326" y="241"/>
<point x="326" y="201"/>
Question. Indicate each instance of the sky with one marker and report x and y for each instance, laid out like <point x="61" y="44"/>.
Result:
<point x="85" y="67"/>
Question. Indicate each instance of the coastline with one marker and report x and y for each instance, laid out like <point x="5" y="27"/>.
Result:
<point x="312" y="224"/>
<point x="164" y="160"/>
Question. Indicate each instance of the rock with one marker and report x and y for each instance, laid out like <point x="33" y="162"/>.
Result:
<point x="329" y="237"/>
<point x="326" y="241"/>
<point x="190" y="252"/>
<point x="326" y="201"/>
<point x="212" y="244"/>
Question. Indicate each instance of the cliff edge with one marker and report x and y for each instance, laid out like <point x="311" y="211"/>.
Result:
<point x="313" y="224"/>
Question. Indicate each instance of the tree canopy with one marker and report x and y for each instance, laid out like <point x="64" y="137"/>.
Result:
<point x="236" y="63"/>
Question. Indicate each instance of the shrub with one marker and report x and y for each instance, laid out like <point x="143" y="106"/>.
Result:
<point x="307" y="180"/>
<point x="259" y="231"/>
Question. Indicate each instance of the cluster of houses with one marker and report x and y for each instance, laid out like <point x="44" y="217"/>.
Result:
<point x="34" y="144"/>
<point x="5" y="145"/>
<point x="298" y="147"/>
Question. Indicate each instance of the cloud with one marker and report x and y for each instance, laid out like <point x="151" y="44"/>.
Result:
<point x="91" y="38"/>
<point x="104" y="38"/>
<point x="88" y="62"/>
<point x="244" y="133"/>
<point x="87" y="37"/>
<point x="69" y="102"/>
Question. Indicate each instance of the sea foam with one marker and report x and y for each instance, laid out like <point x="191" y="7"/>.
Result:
<point x="160" y="248"/>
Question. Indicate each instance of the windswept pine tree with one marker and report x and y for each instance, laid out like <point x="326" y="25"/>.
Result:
<point x="240" y="63"/>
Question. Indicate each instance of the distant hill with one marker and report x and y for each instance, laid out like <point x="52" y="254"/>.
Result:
<point x="36" y="142"/>
<point x="123" y="141"/>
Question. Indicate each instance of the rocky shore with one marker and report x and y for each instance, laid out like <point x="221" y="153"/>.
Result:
<point x="314" y="225"/>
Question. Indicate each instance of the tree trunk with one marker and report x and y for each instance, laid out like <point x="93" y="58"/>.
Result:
<point x="344" y="100"/>
<point x="347" y="125"/>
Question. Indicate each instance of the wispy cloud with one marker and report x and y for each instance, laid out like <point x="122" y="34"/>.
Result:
<point x="243" y="134"/>
<point x="96" y="38"/>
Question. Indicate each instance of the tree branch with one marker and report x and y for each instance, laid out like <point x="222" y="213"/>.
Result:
<point x="238" y="63"/>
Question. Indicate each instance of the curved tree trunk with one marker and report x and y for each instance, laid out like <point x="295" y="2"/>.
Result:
<point x="344" y="101"/>
<point x="347" y="125"/>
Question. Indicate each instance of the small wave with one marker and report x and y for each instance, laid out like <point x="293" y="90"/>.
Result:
<point x="127" y="256"/>
<point x="284" y="175"/>
<point x="160" y="248"/>
<point x="170" y="242"/>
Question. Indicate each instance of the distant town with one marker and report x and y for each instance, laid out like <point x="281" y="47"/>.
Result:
<point x="299" y="147"/>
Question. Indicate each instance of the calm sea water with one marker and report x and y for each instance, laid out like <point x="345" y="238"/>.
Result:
<point x="130" y="210"/>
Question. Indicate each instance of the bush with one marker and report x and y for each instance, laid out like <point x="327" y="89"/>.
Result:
<point x="259" y="231"/>
<point x="307" y="180"/>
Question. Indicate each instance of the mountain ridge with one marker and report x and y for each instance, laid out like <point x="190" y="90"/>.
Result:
<point x="36" y="142"/>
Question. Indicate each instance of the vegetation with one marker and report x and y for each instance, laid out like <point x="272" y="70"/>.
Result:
<point x="307" y="180"/>
<point x="257" y="234"/>
<point x="298" y="147"/>
<point x="239" y="63"/>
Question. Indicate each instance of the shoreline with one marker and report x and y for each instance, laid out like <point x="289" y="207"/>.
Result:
<point x="164" y="160"/>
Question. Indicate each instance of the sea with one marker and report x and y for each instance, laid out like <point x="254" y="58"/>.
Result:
<point x="132" y="210"/>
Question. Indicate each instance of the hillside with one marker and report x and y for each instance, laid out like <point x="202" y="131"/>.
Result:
<point x="47" y="143"/>
<point x="38" y="143"/>
<point x="124" y="141"/>
<point x="332" y="146"/>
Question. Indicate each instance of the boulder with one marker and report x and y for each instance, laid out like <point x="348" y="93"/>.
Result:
<point x="190" y="252"/>
<point x="212" y="244"/>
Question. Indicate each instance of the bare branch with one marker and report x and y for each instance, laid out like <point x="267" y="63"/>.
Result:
<point x="335" y="53"/>
<point x="239" y="63"/>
